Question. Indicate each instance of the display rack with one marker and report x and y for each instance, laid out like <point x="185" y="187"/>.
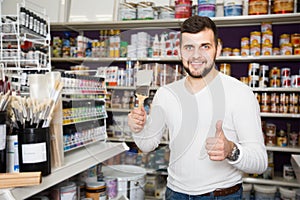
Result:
<point x="75" y="162"/>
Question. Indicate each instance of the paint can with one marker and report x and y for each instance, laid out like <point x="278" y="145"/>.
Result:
<point x="131" y="180"/>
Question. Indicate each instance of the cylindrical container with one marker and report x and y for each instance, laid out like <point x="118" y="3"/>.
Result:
<point x="236" y="52"/>
<point x="266" y="26"/>
<point x="12" y="154"/>
<point x="167" y="12"/>
<point x="267" y="37"/>
<point x="284" y="39"/>
<point x="286" y="49"/>
<point x="67" y="190"/>
<point x="247" y="191"/>
<point x="288" y="172"/>
<point x="275" y="72"/>
<point x="208" y="10"/>
<point x="295" y="81"/>
<point x="253" y="69"/>
<point x="282" y="6"/>
<point x="282" y="140"/>
<point x="96" y="190"/>
<point x="183" y="8"/>
<point x="287" y="194"/>
<point x="145" y="10"/>
<point x="255" y="38"/>
<point x="127" y="11"/>
<point x="34" y="150"/>
<point x="225" y="68"/>
<point x="227" y="51"/>
<point x="295" y="39"/>
<point x="2" y="141"/>
<point x="258" y="7"/>
<point x="111" y="187"/>
<point x="233" y="8"/>
<point x="245" y="41"/>
<point x="131" y="180"/>
<point x="263" y="192"/>
<point x="80" y="189"/>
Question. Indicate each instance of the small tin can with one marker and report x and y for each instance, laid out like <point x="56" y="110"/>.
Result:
<point x="245" y="51"/>
<point x="293" y="99"/>
<point x="286" y="81"/>
<point x="225" y="68"/>
<point x="275" y="82"/>
<point x="276" y="51"/>
<point x="297" y="50"/>
<point x="266" y="26"/>
<point x="286" y="49"/>
<point x="282" y="6"/>
<point x="266" y="49"/>
<point x="255" y="50"/>
<point x="295" y="81"/>
<point x="295" y="39"/>
<point x="285" y="72"/>
<point x="267" y="37"/>
<point x="288" y="172"/>
<point x="253" y="69"/>
<point x="282" y="138"/>
<point x="284" y="39"/>
<point x="255" y="37"/>
<point x="245" y="42"/>
<point x="227" y="51"/>
<point x="275" y="72"/>
<point x="236" y="52"/>
<point x="244" y="80"/>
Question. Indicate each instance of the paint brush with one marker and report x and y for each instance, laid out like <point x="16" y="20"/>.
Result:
<point x="143" y="81"/>
<point x="141" y="93"/>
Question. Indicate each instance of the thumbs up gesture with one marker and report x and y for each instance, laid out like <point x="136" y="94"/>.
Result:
<point x="218" y="147"/>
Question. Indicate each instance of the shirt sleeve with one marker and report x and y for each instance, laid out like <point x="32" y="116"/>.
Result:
<point x="149" y="138"/>
<point x="246" y="117"/>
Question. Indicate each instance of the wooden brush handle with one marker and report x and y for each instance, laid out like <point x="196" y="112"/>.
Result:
<point x="141" y="100"/>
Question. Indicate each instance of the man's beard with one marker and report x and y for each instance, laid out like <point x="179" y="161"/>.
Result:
<point x="201" y="75"/>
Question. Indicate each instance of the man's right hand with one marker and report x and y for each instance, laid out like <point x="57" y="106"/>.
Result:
<point x="137" y="119"/>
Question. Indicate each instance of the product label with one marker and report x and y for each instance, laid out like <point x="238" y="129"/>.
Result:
<point x="2" y="137"/>
<point x="34" y="153"/>
<point x="70" y="195"/>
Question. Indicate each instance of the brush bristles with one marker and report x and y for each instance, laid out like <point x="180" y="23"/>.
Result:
<point x="142" y="90"/>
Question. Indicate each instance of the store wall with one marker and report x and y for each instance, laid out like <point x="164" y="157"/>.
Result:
<point x="80" y="10"/>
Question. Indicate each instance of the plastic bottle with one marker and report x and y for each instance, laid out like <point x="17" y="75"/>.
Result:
<point x="156" y="46"/>
<point x="162" y="45"/>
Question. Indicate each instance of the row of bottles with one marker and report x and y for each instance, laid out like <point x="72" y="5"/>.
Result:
<point x="31" y="20"/>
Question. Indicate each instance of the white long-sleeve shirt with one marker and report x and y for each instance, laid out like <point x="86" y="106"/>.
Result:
<point x="191" y="118"/>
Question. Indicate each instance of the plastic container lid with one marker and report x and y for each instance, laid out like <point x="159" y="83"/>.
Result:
<point x="265" y="189"/>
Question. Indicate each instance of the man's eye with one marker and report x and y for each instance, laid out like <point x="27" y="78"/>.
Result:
<point x="189" y="47"/>
<point x="205" y="47"/>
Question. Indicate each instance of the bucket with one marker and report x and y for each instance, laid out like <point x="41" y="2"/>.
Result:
<point x="247" y="191"/>
<point x="263" y="192"/>
<point x="34" y="150"/>
<point x="130" y="180"/>
<point x="286" y="193"/>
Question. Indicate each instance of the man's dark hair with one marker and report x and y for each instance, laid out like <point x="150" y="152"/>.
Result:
<point x="197" y="23"/>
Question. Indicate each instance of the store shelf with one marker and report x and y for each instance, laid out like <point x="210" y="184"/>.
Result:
<point x="122" y="139"/>
<point x="177" y="59"/>
<point x="277" y="181"/>
<point x="176" y="23"/>
<point x="281" y="89"/>
<point x="75" y="162"/>
<point x="284" y="149"/>
<point x="280" y="115"/>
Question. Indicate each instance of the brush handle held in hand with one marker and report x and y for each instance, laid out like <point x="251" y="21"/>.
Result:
<point x="141" y="99"/>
